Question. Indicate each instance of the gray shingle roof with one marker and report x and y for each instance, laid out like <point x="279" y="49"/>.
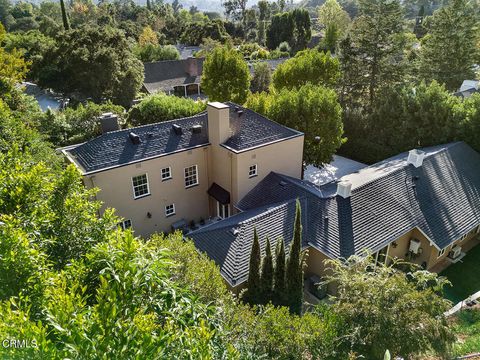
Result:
<point x="228" y="242"/>
<point x="115" y="148"/>
<point x="165" y="75"/>
<point x="251" y="129"/>
<point x="384" y="204"/>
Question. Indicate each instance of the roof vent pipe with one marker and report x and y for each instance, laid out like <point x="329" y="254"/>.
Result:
<point x="134" y="138"/>
<point x="344" y="189"/>
<point x="415" y="157"/>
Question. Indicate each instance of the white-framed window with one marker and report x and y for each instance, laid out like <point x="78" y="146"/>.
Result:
<point x="464" y="236"/>
<point x="191" y="176"/>
<point x="125" y="224"/>
<point x="441" y="252"/>
<point x="166" y="173"/>
<point x="477" y="229"/>
<point x="140" y="186"/>
<point x="169" y="210"/>
<point x="252" y="170"/>
<point x="223" y="211"/>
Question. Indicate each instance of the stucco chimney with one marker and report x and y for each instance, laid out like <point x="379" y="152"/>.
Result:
<point x="192" y="66"/>
<point x="344" y="189"/>
<point x="109" y="122"/>
<point x="415" y="157"/>
<point x="218" y="122"/>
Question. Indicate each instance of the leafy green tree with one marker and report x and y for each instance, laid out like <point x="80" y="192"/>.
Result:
<point x="95" y="62"/>
<point x="450" y="49"/>
<point x="314" y="110"/>
<point x="409" y="308"/>
<point x="281" y="29"/>
<point x="5" y="13"/>
<point x="253" y="292"/>
<point x="294" y="269"/>
<point x="378" y="40"/>
<point x="404" y="118"/>
<point x="279" y="285"/>
<point x="150" y="53"/>
<point x="469" y="110"/>
<point x="307" y="67"/>
<point x="331" y="13"/>
<point x="161" y="107"/>
<point x="235" y="9"/>
<point x="261" y="77"/>
<point x="302" y="29"/>
<point x="266" y="278"/>
<point x="225" y="76"/>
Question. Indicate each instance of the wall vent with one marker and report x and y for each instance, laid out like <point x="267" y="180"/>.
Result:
<point x="196" y="129"/>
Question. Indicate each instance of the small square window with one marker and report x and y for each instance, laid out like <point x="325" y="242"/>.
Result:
<point x="140" y="186"/>
<point x="166" y="173"/>
<point x="126" y="224"/>
<point x="252" y="171"/>
<point x="441" y="252"/>
<point x="169" y="210"/>
<point x="191" y="176"/>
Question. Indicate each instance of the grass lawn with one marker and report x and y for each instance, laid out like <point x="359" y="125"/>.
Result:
<point x="467" y="329"/>
<point x="464" y="276"/>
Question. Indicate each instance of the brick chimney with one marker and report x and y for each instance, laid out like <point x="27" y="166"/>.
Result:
<point x="218" y="122"/>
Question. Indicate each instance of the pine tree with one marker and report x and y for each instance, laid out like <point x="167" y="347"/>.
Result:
<point x="279" y="274"/>
<point x="449" y="50"/>
<point x="294" y="273"/>
<point x="252" y="295"/>
<point x="266" y="277"/>
<point x="66" y="23"/>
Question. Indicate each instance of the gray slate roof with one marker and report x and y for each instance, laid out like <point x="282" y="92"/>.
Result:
<point x="115" y="149"/>
<point x="252" y="129"/>
<point x="443" y="204"/>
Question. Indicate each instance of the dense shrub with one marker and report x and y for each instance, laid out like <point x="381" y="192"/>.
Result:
<point x="162" y="107"/>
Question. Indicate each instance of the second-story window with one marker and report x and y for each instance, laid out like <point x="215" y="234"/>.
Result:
<point x="191" y="176"/>
<point x="252" y="171"/>
<point x="140" y="186"/>
<point x="166" y="173"/>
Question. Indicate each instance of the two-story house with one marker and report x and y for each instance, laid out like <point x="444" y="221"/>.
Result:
<point x="194" y="168"/>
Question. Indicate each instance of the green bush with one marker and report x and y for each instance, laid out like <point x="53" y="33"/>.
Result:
<point x="161" y="107"/>
<point x="150" y="52"/>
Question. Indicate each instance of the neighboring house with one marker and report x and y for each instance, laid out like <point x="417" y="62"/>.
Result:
<point x="421" y="206"/>
<point x="182" y="77"/>
<point x="163" y="176"/>
<point x="468" y="88"/>
<point x="187" y="51"/>
<point x="174" y="77"/>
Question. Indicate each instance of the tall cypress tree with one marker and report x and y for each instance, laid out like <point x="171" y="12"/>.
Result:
<point x="252" y="295"/>
<point x="66" y="23"/>
<point x="279" y="274"/>
<point x="294" y="273"/>
<point x="266" y="277"/>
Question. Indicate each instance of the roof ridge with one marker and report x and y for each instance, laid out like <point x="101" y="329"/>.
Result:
<point x="448" y="146"/>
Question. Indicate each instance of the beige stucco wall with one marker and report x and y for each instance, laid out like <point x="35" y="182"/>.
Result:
<point x="284" y="157"/>
<point x="403" y="244"/>
<point x="116" y="191"/>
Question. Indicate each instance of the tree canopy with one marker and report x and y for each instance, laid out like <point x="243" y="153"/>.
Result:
<point x="225" y="76"/>
<point x="95" y="62"/>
